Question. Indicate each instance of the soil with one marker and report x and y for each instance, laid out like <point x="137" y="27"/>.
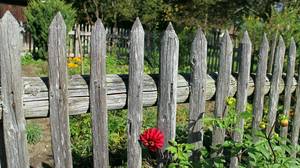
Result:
<point x="41" y="153"/>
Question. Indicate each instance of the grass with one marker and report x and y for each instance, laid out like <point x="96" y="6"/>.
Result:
<point x="34" y="133"/>
<point x="31" y="67"/>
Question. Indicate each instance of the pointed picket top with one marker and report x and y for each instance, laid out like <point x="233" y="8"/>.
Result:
<point x="8" y="17"/>
<point x="246" y="38"/>
<point x="199" y="36"/>
<point x="99" y="25"/>
<point x="281" y="42"/>
<point x="58" y="22"/>
<point x="265" y="42"/>
<point x="9" y="20"/>
<point x="137" y="25"/>
<point x="226" y="44"/>
<point x="292" y="49"/>
<point x="170" y="27"/>
<point x="227" y="39"/>
<point x="170" y="32"/>
<point x="293" y="44"/>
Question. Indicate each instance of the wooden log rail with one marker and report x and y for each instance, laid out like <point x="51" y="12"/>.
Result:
<point x="36" y="103"/>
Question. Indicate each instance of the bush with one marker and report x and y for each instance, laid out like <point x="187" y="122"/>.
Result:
<point x="34" y="133"/>
<point x="39" y="15"/>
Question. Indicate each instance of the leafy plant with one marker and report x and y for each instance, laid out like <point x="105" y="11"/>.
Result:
<point x="39" y="15"/>
<point x="34" y="133"/>
<point x="268" y="151"/>
<point x="81" y="137"/>
<point x="180" y="154"/>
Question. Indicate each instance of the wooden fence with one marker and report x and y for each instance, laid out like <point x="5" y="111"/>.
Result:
<point x="59" y="96"/>
<point x="117" y="40"/>
<point x="80" y="40"/>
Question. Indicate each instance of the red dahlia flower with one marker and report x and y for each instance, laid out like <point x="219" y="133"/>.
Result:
<point x="153" y="139"/>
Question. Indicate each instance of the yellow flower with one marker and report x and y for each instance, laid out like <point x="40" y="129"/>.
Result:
<point x="72" y="65"/>
<point x="77" y="59"/>
<point x="231" y="101"/>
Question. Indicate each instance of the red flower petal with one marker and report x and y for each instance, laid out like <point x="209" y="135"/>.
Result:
<point x="153" y="139"/>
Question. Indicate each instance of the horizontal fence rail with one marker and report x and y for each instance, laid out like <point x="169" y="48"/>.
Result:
<point x="36" y="102"/>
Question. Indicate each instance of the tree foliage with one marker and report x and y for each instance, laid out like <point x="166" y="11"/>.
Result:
<point x="155" y="13"/>
<point x="39" y="15"/>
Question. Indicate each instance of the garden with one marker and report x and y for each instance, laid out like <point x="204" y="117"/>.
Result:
<point x="262" y="148"/>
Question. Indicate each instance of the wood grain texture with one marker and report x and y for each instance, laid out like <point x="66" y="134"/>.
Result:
<point x="58" y="94"/>
<point x="166" y="120"/>
<point x="274" y="90"/>
<point x="98" y="96"/>
<point x="135" y="94"/>
<point x="260" y="82"/>
<point x="223" y="89"/>
<point x="198" y="90"/>
<point x="272" y="53"/>
<point x="296" y="120"/>
<point x="242" y="87"/>
<point x="288" y="84"/>
<point x="11" y="93"/>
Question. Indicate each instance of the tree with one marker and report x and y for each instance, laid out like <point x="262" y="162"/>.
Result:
<point x="39" y="16"/>
<point x="109" y="11"/>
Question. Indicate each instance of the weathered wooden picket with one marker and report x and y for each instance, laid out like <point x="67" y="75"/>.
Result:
<point x="59" y="96"/>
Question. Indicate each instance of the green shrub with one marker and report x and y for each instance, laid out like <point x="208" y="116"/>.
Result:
<point x="34" y="133"/>
<point x="39" y="15"/>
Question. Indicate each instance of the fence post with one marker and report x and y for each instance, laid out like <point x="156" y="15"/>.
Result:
<point x="168" y="84"/>
<point x="98" y="103"/>
<point x="77" y="39"/>
<point x="12" y="92"/>
<point x="223" y="86"/>
<point x="288" y="84"/>
<point x="296" y="121"/>
<point x="272" y="54"/>
<point x="135" y="94"/>
<point x="260" y="81"/>
<point x="242" y="87"/>
<point x="58" y="93"/>
<point x="198" y="91"/>
<point x="274" y="90"/>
